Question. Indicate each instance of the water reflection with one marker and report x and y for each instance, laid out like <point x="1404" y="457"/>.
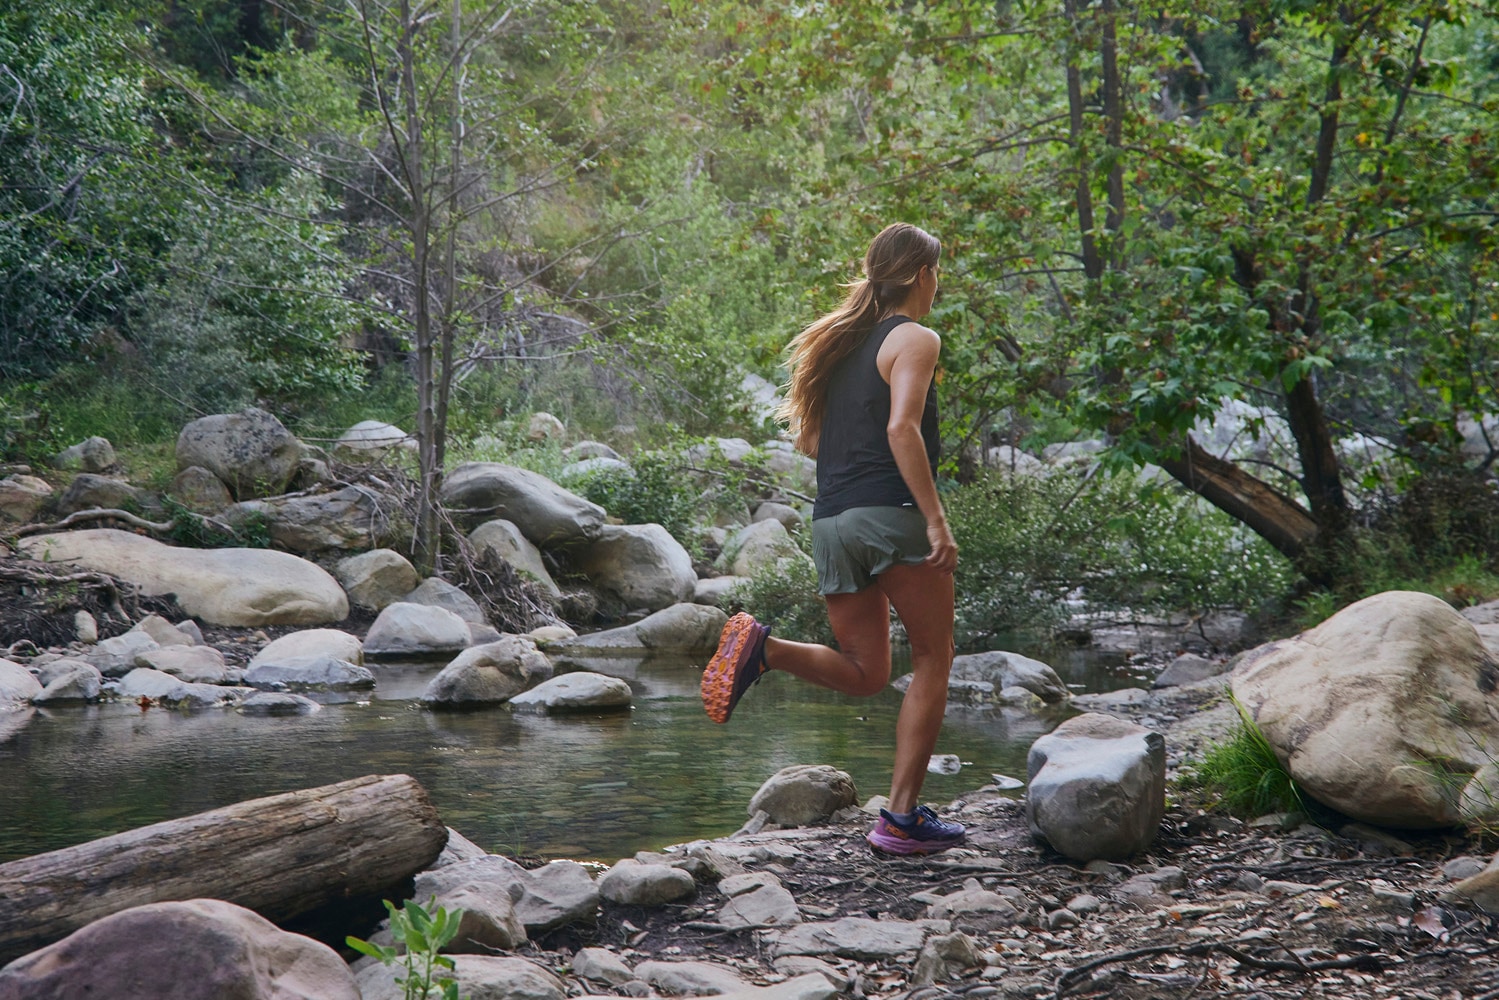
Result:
<point x="599" y="786"/>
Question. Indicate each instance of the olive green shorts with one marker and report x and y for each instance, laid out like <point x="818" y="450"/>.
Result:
<point x="852" y="548"/>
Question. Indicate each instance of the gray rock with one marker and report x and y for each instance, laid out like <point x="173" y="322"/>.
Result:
<point x="201" y="949"/>
<point x="1005" y="670"/>
<point x="1097" y="787"/>
<point x="630" y="883"/>
<point x="251" y="452"/>
<point x="944" y="957"/>
<point x="489" y="922"/>
<point x="416" y="630"/>
<point x="88" y="491"/>
<point x="375" y="579"/>
<point x="371" y="439"/>
<point x="17" y="685"/>
<point x="812" y="986"/>
<point x="546" y="513"/>
<point x="804" y="794"/>
<point x="683" y="628"/>
<point x="639" y="565"/>
<point x="730" y="449"/>
<point x="506" y="542"/>
<point x="1152" y="889"/>
<point x="311" y="642"/>
<point x="277" y="703"/>
<point x="757" y="900"/>
<point x="441" y="594"/>
<point x="715" y="590"/>
<point x="479" y="977"/>
<point x="794" y="468"/>
<point x="975" y="910"/>
<point x="172" y="692"/>
<point x="602" y="966"/>
<point x="194" y="664"/>
<point x="200" y="490"/>
<point x="758" y="547"/>
<point x="580" y="691"/>
<point x="544" y="426"/>
<point x="86" y="627"/>
<point x="458" y="848"/>
<point x="584" y="450"/>
<point x="558" y="893"/>
<point x="1188" y="669"/>
<point x="575" y="472"/>
<point x="790" y="518"/>
<point x="351" y="519"/>
<point x="115" y="657"/>
<point x="190" y="628"/>
<point x="693" y="979"/>
<point x="22" y="496"/>
<point x="309" y="673"/>
<point x="163" y="632"/>
<point x="488" y="674"/>
<point x="857" y="937"/>
<point x="1462" y="867"/>
<point x="75" y="683"/>
<point x="93" y="454"/>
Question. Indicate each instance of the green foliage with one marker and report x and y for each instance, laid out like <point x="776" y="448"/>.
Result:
<point x="784" y="596"/>
<point x="419" y="937"/>
<point x="656" y="489"/>
<point x="192" y="530"/>
<point x="1242" y="776"/>
<point x="1030" y="546"/>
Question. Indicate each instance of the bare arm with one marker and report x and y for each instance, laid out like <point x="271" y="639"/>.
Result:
<point x="907" y="360"/>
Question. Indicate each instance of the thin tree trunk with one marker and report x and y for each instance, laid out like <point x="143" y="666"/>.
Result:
<point x="1092" y="262"/>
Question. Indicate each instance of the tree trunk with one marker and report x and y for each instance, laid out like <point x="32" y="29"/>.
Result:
<point x="1266" y="511"/>
<point x="1092" y="261"/>
<point x="281" y="856"/>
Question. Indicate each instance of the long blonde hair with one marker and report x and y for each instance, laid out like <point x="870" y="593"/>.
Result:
<point x="891" y="265"/>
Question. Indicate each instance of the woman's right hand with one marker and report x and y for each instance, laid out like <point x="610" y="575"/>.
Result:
<point x="944" y="554"/>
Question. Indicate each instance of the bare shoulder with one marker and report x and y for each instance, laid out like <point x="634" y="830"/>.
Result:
<point x="910" y="342"/>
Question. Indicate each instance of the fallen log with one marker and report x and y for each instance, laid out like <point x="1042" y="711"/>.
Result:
<point x="282" y="856"/>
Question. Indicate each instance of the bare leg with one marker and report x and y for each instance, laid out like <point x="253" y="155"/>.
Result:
<point x="860" y="666"/>
<point x="923" y="597"/>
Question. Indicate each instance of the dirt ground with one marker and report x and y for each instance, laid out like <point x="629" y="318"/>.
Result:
<point x="1260" y="914"/>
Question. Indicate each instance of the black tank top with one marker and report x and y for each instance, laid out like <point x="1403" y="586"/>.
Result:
<point x="855" y="467"/>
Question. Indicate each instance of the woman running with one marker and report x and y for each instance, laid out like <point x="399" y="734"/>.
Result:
<point x="863" y="402"/>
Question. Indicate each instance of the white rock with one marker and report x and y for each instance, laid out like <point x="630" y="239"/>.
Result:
<point x="244" y="587"/>
<point x="22" y="496"/>
<point x="857" y="937"/>
<point x="640" y="565"/>
<point x="194" y="664"/>
<point x="311" y="642"/>
<point x="693" y="979"/>
<point x="376" y="579"/>
<point x="416" y="630"/>
<point x="630" y="883"/>
<point x="506" y="542"/>
<point x="803" y="794"/>
<point x="80" y="682"/>
<point x="309" y="673"/>
<point x="683" y="628"/>
<point x="441" y="594"/>
<point x="581" y="691"/>
<point x="715" y="590"/>
<point x="757" y="547"/>
<point x="490" y="673"/>
<point x="545" y="427"/>
<point x="17" y="685"/>
<point x="370" y="439"/>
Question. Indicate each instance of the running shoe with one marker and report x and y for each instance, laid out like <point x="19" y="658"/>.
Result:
<point x="739" y="662"/>
<point x="924" y="834"/>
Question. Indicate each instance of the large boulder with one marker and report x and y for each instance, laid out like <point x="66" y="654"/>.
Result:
<point x="353" y="518"/>
<point x="580" y="691"/>
<point x="630" y="883"/>
<point x="1097" y="787"/>
<point x="684" y="628"/>
<point x="505" y="541"/>
<point x="245" y="587"/>
<point x="416" y="630"/>
<point x="1385" y="711"/>
<point x="194" y="664"/>
<point x="198" y="949"/>
<point x="251" y="452"/>
<point x="75" y="683"/>
<point x="803" y="794"/>
<point x="488" y="674"/>
<point x="639" y="565"/>
<point x="376" y="579"/>
<point x="546" y="513"/>
<point x="310" y="673"/>
<point x="21" y="496"/>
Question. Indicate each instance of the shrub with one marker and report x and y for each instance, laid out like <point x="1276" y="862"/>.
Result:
<point x="784" y="596"/>
<point x="419" y="937"/>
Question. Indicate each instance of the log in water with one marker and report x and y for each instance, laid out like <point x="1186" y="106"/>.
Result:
<point x="281" y="856"/>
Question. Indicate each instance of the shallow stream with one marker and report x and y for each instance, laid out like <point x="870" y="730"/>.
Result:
<point x="592" y="786"/>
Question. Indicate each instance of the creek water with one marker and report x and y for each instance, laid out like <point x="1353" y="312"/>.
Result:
<point x="589" y="786"/>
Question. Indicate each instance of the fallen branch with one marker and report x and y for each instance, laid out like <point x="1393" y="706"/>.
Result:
<point x="1076" y="977"/>
<point x="98" y="514"/>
